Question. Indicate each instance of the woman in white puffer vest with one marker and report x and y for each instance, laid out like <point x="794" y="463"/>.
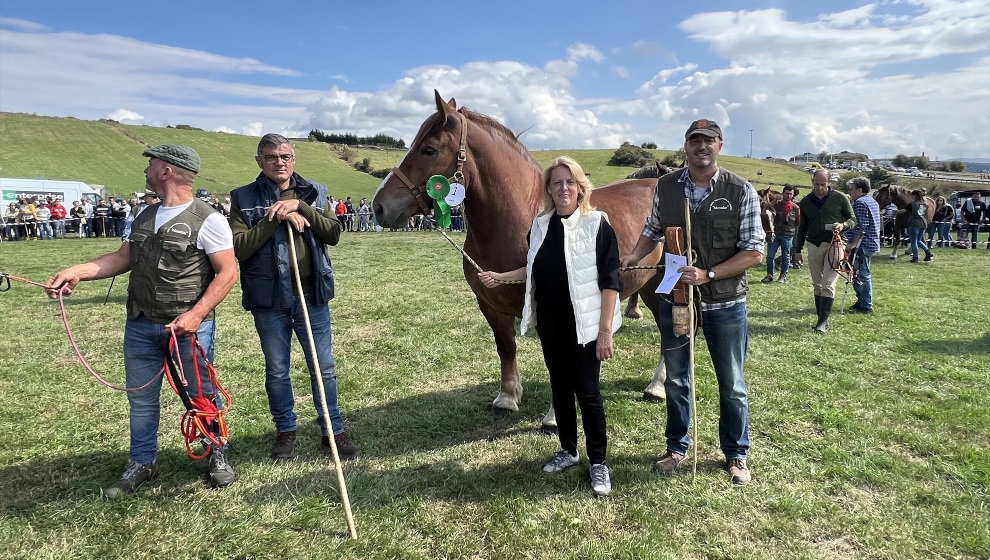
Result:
<point x="572" y="296"/>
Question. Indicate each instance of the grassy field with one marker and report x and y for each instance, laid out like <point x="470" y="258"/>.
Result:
<point x="869" y="442"/>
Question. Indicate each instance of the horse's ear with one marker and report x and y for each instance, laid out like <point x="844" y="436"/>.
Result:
<point x="446" y="109"/>
<point x="452" y="103"/>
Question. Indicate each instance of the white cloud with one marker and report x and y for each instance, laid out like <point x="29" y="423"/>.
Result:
<point x="886" y="77"/>
<point x="126" y="116"/>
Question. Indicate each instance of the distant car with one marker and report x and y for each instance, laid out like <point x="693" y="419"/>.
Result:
<point x="917" y="173"/>
<point x="833" y="177"/>
<point x="203" y="194"/>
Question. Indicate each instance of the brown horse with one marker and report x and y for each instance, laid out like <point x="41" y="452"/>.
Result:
<point x="902" y="198"/>
<point x="503" y="193"/>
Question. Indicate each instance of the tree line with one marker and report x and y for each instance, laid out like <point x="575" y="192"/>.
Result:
<point x="348" y="139"/>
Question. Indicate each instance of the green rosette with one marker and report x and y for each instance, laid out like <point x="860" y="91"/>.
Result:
<point x="437" y="187"/>
<point x="441" y="213"/>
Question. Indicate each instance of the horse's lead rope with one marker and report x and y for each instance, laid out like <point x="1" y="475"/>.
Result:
<point x="72" y="340"/>
<point x="479" y="269"/>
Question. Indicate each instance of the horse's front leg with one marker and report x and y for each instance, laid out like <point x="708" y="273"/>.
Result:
<point x="510" y="388"/>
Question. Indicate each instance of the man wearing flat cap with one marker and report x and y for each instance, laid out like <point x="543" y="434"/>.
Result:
<point x="727" y="238"/>
<point x="181" y="257"/>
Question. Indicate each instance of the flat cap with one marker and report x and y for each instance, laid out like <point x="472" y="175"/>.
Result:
<point x="176" y="154"/>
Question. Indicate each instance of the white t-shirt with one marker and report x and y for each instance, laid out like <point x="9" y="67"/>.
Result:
<point x="214" y="236"/>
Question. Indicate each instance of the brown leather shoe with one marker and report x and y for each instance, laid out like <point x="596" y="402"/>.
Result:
<point x="285" y="445"/>
<point x="346" y="448"/>
<point x="739" y="471"/>
<point x="668" y="462"/>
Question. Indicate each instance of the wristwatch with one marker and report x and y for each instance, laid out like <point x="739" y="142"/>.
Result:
<point x="711" y="274"/>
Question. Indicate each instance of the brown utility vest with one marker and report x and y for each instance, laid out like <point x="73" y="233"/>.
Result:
<point x="168" y="273"/>
<point x="714" y="228"/>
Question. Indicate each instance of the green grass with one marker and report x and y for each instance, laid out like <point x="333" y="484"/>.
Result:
<point x="869" y="442"/>
<point x="109" y="154"/>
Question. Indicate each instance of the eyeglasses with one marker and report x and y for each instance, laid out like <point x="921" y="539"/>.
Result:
<point x="272" y="158"/>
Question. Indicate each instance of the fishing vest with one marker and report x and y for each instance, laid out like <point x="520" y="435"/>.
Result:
<point x="267" y="281"/>
<point x="168" y="272"/>
<point x="581" y="256"/>
<point x="714" y="228"/>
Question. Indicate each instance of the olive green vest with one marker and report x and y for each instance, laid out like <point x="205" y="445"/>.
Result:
<point x="168" y="273"/>
<point x="714" y="228"/>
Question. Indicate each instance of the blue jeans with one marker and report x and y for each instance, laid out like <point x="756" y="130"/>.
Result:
<point x="915" y="234"/>
<point x="784" y="243"/>
<point x="145" y="350"/>
<point x="864" y="281"/>
<point x="726" y="333"/>
<point x="974" y="232"/>
<point x="944" y="235"/>
<point x="275" y="328"/>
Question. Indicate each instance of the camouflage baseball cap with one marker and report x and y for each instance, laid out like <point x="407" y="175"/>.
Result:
<point x="176" y="154"/>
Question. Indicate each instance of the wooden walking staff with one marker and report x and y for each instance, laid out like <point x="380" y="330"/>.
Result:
<point x="692" y="325"/>
<point x="323" y="394"/>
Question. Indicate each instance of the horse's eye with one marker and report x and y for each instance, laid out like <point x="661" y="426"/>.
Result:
<point x="427" y="150"/>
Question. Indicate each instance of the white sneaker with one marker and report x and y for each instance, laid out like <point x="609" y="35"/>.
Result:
<point x="601" y="484"/>
<point x="561" y="462"/>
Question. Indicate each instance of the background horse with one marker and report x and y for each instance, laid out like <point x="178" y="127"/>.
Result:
<point x="902" y="198"/>
<point x="503" y="193"/>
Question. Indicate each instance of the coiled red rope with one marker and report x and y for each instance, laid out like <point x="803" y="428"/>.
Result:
<point x="196" y="421"/>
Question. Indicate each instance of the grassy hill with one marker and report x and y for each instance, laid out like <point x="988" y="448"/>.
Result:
<point x="109" y="153"/>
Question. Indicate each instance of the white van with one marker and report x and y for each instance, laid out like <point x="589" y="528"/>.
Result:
<point x="66" y="191"/>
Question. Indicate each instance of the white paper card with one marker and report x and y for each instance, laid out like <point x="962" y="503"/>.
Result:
<point x="672" y="264"/>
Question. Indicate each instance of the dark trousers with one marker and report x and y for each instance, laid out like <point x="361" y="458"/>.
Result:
<point x="574" y="371"/>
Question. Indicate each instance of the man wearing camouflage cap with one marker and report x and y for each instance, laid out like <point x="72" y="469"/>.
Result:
<point x="181" y="258"/>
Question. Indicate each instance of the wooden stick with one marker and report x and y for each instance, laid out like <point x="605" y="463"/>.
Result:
<point x="692" y="322"/>
<point x="318" y="373"/>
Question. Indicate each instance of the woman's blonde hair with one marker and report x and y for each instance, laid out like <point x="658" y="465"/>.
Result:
<point x="584" y="185"/>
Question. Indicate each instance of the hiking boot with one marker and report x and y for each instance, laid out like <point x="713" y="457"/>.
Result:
<point x="738" y="470"/>
<point x="220" y="473"/>
<point x="767" y="279"/>
<point x="346" y="449"/>
<point x="668" y="462"/>
<point x="914" y="259"/>
<point x="782" y="279"/>
<point x="928" y="256"/>
<point x="135" y="474"/>
<point x="601" y="483"/>
<point x="861" y="309"/>
<point x="562" y="461"/>
<point x="285" y="445"/>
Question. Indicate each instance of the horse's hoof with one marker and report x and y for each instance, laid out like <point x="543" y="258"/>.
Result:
<point x="499" y="412"/>
<point x="548" y="430"/>
<point x="653" y="398"/>
<point x="635" y="314"/>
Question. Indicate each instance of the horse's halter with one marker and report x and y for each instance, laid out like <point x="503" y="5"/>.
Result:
<point x="419" y="191"/>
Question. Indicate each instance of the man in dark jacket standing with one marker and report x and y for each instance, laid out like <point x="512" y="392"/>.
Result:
<point x="258" y="212"/>
<point x="824" y="212"/>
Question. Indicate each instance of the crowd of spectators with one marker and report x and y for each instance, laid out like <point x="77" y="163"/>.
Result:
<point x="49" y="218"/>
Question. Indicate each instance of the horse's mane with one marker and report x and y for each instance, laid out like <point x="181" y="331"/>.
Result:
<point x="499" y="131"/>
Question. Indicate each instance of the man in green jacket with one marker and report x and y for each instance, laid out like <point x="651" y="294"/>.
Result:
<point x="824" y="211"/>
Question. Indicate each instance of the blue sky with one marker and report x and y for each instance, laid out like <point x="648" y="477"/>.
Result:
<point x="889" y="77"/>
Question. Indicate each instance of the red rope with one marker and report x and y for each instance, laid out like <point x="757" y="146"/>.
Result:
<point x="195" y="423"/>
